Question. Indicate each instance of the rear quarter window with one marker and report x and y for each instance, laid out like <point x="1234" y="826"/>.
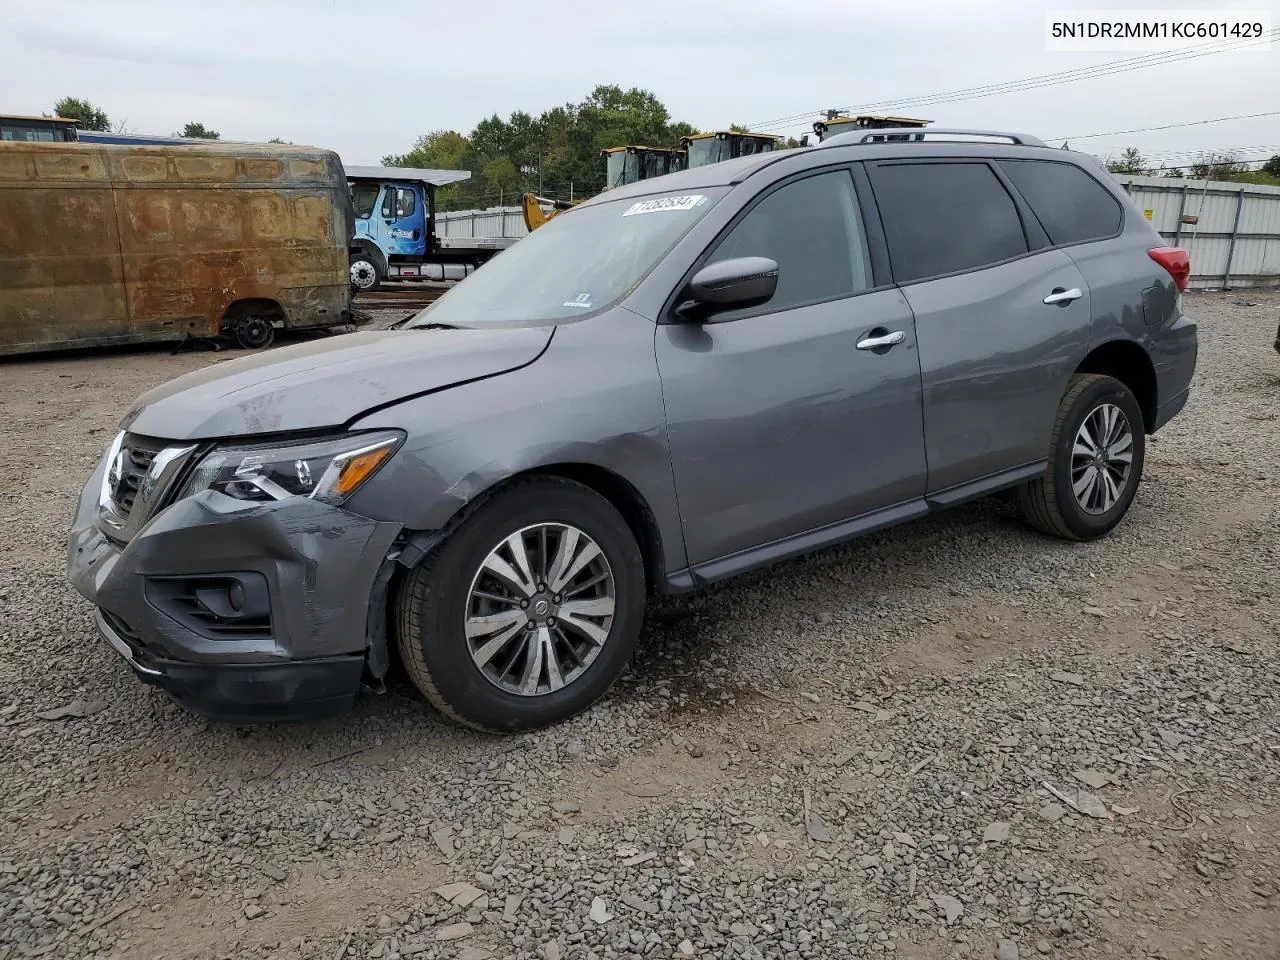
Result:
<point x="1070" y="205"/>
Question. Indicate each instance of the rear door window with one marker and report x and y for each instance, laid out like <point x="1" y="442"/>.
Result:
<point x="942" y="218"/>
<point x="1070" y="205"/>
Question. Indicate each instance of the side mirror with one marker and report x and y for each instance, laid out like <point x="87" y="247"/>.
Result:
<point x="741" y="282"/>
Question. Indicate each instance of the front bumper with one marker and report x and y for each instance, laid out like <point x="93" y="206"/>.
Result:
<point x="310" y="570"/>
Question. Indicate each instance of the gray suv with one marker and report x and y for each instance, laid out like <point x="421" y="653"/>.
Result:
<point x="670" y="384"/>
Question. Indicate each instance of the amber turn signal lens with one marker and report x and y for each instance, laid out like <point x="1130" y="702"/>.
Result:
<point x="359" y="468"/>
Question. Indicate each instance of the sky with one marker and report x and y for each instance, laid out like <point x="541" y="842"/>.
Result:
<point x="367" y="79"/>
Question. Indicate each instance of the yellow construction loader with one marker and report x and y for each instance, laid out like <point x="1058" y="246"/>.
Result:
<point x="633" y="162"/>
<point x="623" y="165"/>
<point x="719" y="145"/>
<point x="840" y="123"/>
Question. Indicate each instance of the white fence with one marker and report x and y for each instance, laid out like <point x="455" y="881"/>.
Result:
<point x="1231" y="230"/>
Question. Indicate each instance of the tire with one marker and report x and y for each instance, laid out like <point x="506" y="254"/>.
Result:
<point x="436" y="600"/>
<point x="364" y="273"/>
<point x="1050" y="503"/>
<point x="253" y="331"/>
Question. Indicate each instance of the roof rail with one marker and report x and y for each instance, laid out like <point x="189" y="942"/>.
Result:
<point x="916" y="134"/>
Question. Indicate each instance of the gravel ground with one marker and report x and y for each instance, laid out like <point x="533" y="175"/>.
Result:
<point x="953" y="739"/>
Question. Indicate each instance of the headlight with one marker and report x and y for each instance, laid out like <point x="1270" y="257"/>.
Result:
<point x="330" y="469"/>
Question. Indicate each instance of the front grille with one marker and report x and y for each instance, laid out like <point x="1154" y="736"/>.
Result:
<point x="136" y="454"/>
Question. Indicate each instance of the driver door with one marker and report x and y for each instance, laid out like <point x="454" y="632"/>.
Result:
<point x="784" y="419"/>
<point x="403" y="216"/>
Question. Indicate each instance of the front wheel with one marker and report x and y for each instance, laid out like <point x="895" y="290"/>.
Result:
<point x="365" y="275"/>
<point x="528" y="612"/>
<point x="1096" y="453"/>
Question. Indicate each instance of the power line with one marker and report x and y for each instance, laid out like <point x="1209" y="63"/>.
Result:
<point x="1167" y="126"/>
<point x="1032" y="83"/>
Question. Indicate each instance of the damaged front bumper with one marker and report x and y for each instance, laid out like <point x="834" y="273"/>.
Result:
<point x="241" y="611"/>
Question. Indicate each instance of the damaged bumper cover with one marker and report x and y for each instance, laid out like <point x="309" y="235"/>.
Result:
<point x="240" y="611"/>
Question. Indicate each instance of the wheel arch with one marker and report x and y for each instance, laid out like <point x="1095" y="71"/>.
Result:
<point x="371" y="250"/>
<point x="621" y="494"/>
<point x="251" y="305"/>
<point x="1129" y="363"/>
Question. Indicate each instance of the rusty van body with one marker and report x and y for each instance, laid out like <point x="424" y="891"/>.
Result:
<point x="105" y="244"/>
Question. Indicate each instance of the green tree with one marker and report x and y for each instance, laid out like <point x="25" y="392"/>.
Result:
<point x="198" y="131"/>
<point x="90" y="116"/>
<point x="501" y="174"/>
<point x="556" y="153"/>
<point x="1218" y="166"/>
<point x="442" y="150"/>
<point x="1130" y="161"/>
<point x="1272" y="167"/>
<point x="278" y="140"/>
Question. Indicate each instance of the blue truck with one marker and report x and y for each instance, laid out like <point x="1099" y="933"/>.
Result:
<point x="395" y="236"/>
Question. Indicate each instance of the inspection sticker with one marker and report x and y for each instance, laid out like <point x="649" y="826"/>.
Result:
<point x="581" y="300"/>
<point x="666" y="203"/>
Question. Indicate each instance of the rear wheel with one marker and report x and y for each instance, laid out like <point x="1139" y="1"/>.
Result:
<point x="528" y="612"/>
<point x="1096" y="455"/>
<point x="365" y="275"/>
<point x="253" y="331"/>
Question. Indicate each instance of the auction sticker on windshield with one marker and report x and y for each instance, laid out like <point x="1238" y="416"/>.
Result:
<point x="666" y="203"/>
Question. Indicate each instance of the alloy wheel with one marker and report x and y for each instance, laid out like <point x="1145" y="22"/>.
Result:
<point x="540" y="609"/>
<point x="1101" y="459"/>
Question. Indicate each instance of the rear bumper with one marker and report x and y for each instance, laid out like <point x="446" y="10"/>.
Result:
<point x="1170" y="409"/>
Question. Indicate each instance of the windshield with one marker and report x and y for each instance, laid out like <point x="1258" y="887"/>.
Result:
<point x="363" y="197"/>
<point x="581" y="261"/>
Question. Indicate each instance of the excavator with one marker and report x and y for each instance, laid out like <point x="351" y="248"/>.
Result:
<point x="631" y="163"/>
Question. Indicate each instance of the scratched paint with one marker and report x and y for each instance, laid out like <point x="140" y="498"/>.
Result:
<point x="108" y="243"/>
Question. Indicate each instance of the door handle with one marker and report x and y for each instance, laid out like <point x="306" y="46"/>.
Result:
<point x="1063" y="296"/>
<point x="887" y="340"/>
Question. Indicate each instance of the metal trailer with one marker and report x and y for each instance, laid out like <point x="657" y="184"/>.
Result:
<point x="395" y="228"/>
<point x="103" y="244"/>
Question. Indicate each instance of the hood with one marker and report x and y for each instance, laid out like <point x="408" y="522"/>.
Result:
<point x="326" y="383"/>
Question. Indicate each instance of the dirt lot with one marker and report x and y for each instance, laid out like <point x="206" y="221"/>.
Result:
<point x="948" y="702"/>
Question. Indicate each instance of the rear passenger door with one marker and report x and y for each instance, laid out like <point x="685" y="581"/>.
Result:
<point x="1001" y="317"/>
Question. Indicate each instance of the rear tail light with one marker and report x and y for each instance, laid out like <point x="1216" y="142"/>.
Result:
<point x="1176" y="260"/>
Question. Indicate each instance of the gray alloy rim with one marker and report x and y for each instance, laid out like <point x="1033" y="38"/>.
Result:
<point x="1101" y="459"/>
<point x="540" y="609"/>
<point x="363" y="274"/>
